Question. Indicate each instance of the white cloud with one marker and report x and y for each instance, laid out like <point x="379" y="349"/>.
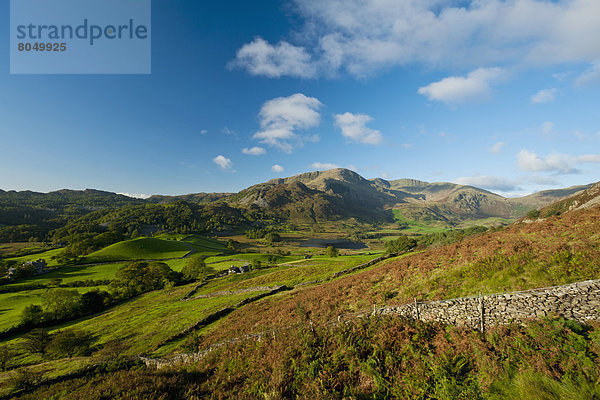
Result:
<point x="458" y="89"/>
<point x="497" y="147"/>
<point x="323" y="166"/>
<point x="361" y="37"/>
<point x="223" y="162"/>
<point x="135" y="195"/>
<point x="352" y="167"/>
<point x="254" y="151"/>
<point x="590" y="75"/>
<point x="547" y="128"/>
<point x="406" y="145"/>
<point x="277" y="168"/>
<point x="203" y="132"/>
<point x="281" y="117"/>
<point x="582" y="136"/>
<point x="282" y="59"/>
<point x="353" y="127"/>
<point x="588" y="158"/>
<point x="229" y="132"/>
<point x="557" y="163"/>
<point x="541" y="180"/>
<point x="489" y="182"/>
<point x="544" y="96"/>
<point x="530" y="161"/>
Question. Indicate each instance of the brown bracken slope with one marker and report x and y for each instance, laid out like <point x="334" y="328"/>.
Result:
<point x="559" y="249"/>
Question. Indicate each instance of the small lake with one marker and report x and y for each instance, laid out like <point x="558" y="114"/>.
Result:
<point x="337" y="243"/>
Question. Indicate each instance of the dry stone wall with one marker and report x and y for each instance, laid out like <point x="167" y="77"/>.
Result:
<point x="578" y="301"/>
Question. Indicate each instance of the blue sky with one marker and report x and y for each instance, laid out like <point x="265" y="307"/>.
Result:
<point x="502" y="95"/>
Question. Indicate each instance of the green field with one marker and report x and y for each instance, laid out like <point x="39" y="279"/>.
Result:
<point x="13" y="304"/>
<point x="73" y="273"/>
<point x="289" y="274"/>
<point x="140" y="249"/>
<point x="46" y="255"/>
<point x="170" y="248"/>
<point x="416" y="227"/>
<point x="492" y="221"/>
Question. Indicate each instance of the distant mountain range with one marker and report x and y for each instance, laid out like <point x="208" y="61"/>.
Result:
<point x="328" y="195"/>
<point x="341" y="193"/>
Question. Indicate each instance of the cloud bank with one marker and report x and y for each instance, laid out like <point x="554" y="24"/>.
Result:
<point x="360" y="37"/>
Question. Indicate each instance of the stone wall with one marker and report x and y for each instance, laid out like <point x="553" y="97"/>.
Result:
<point x="578" y="301"/>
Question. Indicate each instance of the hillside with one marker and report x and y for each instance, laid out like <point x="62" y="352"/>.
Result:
<point x="273" y="331"/>
<point x="274" y="334"/>
<point x="344" y="192"/>
<point x="313" y="197"/>
<point x="556" y="250"/>
<point x="140" y="249"/>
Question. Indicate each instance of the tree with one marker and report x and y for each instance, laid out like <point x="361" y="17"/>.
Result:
<point x="272" y="237"/>
<point x="33" y="314"/>
<point x="70" y="342"/>
<point x="332" y="252"/>
<point x="231" y="244"/>
<point x="401" y="245"/>
<point x="533" y="214"/>
<point x="37" y="341"/>
<point x="94" y="301"/>
<point x="56" y="282"/>
<point x="6" y="355"/>
<point x="196" y="268"/>
<point x="140" y="277"/>
<point x="255" y="263"/>
<point x="67" y="256"/>
<point x="24" y="271"/>
<point x="62" y="303"/>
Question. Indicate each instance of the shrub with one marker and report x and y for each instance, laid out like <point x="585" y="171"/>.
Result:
<point x="140" y="277"/>
<point x="401" y="245"/>
<point x="332" y="252"/>
<point x="196" y="268"/>
<point x="533" y="214"/>
<point x="37" y="341"/>
<point x="71" y="342"/>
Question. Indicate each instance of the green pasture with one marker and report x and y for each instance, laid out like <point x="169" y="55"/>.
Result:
<point x="140" y="249"/>
<point x="13" y="304"/>
<point x="416" y="227"/>
<point x="46" y="255"/>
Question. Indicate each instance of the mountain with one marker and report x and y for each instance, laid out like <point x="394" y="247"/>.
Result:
<point x="339" y="193"/>
<point x="581" y="199"/>
<point x="60" y="199"/>
<point x="312" y="197"/>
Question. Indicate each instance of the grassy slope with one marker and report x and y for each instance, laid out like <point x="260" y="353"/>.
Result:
<point x="416" y="227"/>
<point x="521" y="256"/>
<point x="140" y="326"/>
<point x="140" y="249"/>
<point x="12" y="304"/>
<point x="46" y="255"/>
